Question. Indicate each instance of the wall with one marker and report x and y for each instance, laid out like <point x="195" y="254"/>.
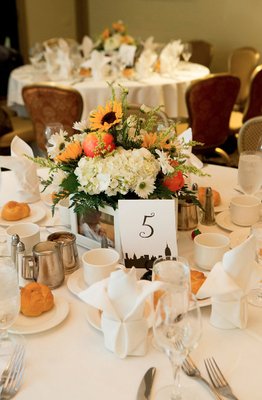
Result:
<point x="227" y="24"/>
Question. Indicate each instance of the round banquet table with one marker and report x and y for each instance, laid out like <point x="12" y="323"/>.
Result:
<point x="69" y="361"/>
<point x="153" y="91"/>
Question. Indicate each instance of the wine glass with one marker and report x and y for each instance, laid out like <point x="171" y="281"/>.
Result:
<point x="50" y="129"/>
<point x="255" y="295"/>
<point x="9" y="304"/>
<point x="177" y="328"/>
<point x="187" y="51"/>
<point x="250" y="171"/>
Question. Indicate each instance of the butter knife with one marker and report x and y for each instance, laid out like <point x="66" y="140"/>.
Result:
<point x="146" y="384"/>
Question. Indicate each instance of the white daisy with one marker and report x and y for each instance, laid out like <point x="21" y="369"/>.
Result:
<point x="81" y="126"/>
<point x="57" y="143"/>
<point x="164" y="162"/>
<point x="144" y="187"/>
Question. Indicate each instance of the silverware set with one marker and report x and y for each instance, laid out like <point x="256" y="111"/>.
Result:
<point x="11" y="377"/>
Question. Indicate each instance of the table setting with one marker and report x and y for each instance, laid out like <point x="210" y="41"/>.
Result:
<point x="98" y="323"/>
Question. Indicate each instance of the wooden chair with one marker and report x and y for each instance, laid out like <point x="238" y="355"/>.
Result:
<point x="250" y="134"/>
<point x="210" y="101"/>
<point x="202" y="52"/>
<point x="253" y="107"/>
<point x="241" y="63"/>
<point x="10" y="126"/>
<point x="51" y="103"/>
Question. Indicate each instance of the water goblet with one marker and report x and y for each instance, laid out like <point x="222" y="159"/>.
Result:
<point x="50" y="129"/>
<point x="9" y="304"/>
<point x="250" y="171"/>
<point x="187" y="52"/>
<point x="177" y="328"/>
<point x="255" y="295"/>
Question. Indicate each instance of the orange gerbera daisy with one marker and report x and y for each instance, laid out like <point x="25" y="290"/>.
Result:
<point x="105" y="33"/>
<point x="71" y="152"/>
<point x="119" y="26"/>
<point x="105" y="117"/>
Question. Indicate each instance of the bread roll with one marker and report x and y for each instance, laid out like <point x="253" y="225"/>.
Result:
<point x="202" y="196"/>
<point x="14" y="211"/>
<point x="36" y="299"/>
<point x="197" y="280"/>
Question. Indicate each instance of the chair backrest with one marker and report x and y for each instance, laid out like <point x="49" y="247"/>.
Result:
<point x="135" y="109"/>
<point x="48" y="103"/>
<point x="202" y="52"/>
<point x="241" y="63"/>
<point x="210" y="101"/>
<point x="253" y="106"/>
<point x="250" y="134"/>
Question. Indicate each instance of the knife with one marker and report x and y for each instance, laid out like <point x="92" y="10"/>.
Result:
<point x="146" y="384"/>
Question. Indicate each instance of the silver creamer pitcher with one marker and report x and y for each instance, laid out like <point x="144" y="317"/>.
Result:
<point x="68" y="249"/>
<point x="45" y="265"/>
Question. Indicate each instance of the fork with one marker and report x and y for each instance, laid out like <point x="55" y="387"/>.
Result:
<point x="14" y="376"/>
<point x="18" y="349"/>
<point x="190" y="369"/>
<point x="218" y="380"/>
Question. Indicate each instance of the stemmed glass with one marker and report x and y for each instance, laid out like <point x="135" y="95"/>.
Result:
<point x="250" y="171"/>
<point x="177" y="329"/>
<point x="51" y="129"/>
<point x="9" y="304"/>
<point x="187" y="51"/>
<point x="255" y="295"/>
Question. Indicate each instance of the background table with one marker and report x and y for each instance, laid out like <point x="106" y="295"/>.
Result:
<point x="70" y="362"/>
<point x="153" y="91"/>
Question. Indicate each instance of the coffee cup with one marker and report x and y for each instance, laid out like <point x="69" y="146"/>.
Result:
<point x="244" y="210"/>
<point x="28" y="233"/>
<point x="99" y="263"/>
<point x="209" y="248"/>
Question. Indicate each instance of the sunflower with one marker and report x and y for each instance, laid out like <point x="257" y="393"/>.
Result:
<point x="72" y="151"/>
<point x="105" y="117"/>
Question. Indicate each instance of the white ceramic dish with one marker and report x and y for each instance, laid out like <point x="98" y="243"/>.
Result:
<point x="238" y="236"/>
<point x="37" y="213"/>
<point x="30" y="325"/>
<point x="223" y="220"/>
<point x="76" y="283"/>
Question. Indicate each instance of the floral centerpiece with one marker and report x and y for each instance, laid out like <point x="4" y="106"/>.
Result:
<point x="112" y="38"/>
<point x="117" y="155"/>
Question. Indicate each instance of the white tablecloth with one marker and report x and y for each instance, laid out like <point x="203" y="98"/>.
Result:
<point x="154" y="91"/>
<point x="70" y="362"/>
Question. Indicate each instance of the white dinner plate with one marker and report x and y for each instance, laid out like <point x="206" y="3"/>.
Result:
<point x="37" y="213"/>
<point x="238" y="236"/>
<point x="76" y="283"/>
<point x="29" y="325"/>
<point x="224" y="221"/>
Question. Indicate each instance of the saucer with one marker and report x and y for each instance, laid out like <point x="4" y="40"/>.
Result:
<point x="76" y="283"/>
<point x="224" y="221"/>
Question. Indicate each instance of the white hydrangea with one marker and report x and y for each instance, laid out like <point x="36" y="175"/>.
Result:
<point x="120" y="172"/>
<point x="113" y="42"/>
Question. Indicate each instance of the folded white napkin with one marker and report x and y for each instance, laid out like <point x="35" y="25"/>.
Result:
<point x="228" y="284"/>
<point x="149" y="44"/>
<point x="98" y="63"/>
<point x="86" y="46"/>
<point x="144" y="64"/>
<point x="24" y="169"/>
<point x="122" y="299"/>
<point x="58" y="60"/>
<point x="127" y="54"/>
<point x="169" y="57"/>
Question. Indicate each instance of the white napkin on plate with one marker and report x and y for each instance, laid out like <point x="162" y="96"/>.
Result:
<point x="24" y="169"/>
<point x="127" y="54"/>
<point x="58" y="60"/>
<point x="98" y="63"/>
<point x="229" y="282"/>
<point x="122" y="299"/>
<point x="170" y="57"/>
<point x="149" y="44"/>
<point x="144" y="65"/>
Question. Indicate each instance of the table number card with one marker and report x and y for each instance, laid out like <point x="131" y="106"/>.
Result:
<point x="147" y="230"/>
